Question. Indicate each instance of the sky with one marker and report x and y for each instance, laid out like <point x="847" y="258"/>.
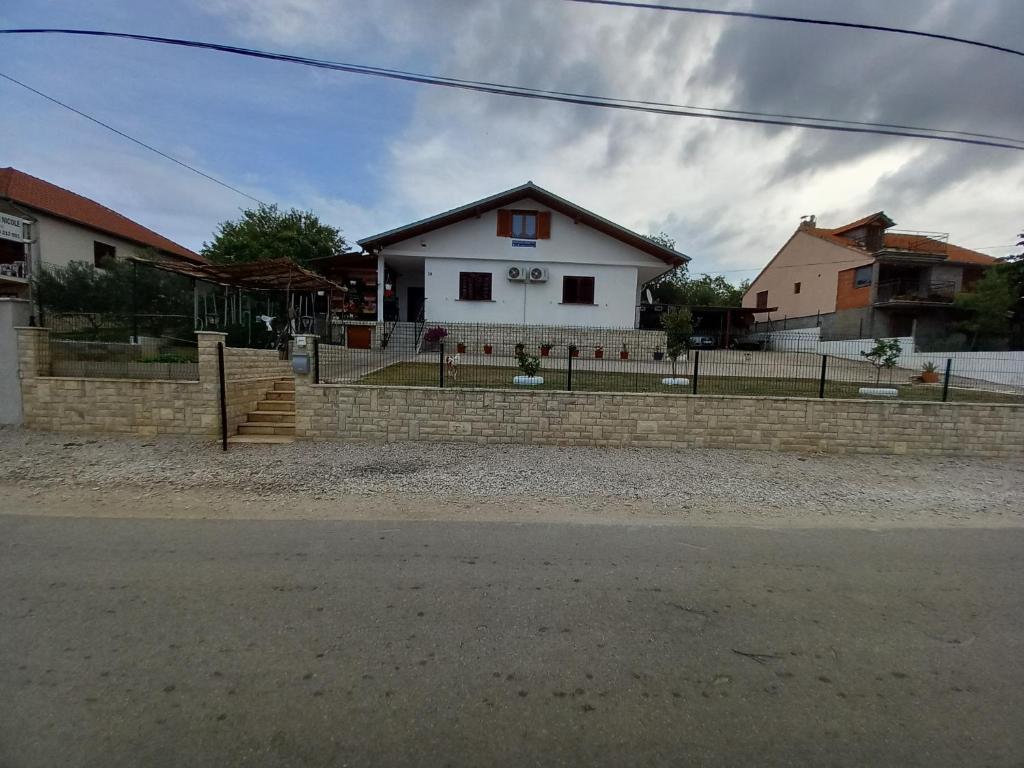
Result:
<point x="367" y="154"/>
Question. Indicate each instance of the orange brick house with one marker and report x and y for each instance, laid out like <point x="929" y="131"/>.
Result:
<point x="861" y="280"/>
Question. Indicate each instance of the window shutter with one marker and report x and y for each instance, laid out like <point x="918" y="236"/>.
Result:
<point x="504" y="223"/>
<point x="587" y="290"/>
<point x="543" y="225"/>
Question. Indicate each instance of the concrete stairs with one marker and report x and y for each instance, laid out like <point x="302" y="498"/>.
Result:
<point x="405" y="338"/>
<point x="273" y="421"/>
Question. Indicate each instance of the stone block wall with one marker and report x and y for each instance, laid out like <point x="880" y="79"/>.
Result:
<point x="657" y="421"/>
<point x="144" y="407"/>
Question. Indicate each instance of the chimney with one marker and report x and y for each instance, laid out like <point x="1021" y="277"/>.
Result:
<point x="808" y="222"/>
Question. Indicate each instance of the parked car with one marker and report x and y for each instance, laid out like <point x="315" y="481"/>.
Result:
<point x="703" y="341"/>
<point x="752" y="341"/>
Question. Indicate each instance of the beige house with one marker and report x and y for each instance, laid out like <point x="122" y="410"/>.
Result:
<point x="862" y="280"/>
<point x="43" y="223"/>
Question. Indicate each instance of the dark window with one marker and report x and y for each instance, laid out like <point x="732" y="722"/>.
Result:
<point x="524" y="225"/>
<point x="796" y="287"/>
<point x="474" y="286"/>
<point x="577" y="290"/>
<point x="762" y="299"/>
<point x="862" y="277"/>
<point x="102" y="253"/>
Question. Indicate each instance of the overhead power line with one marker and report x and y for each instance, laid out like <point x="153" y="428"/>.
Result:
<point x="605" y="102"/>
<point x="804" y="20"/>
<point x="124" y="135"/>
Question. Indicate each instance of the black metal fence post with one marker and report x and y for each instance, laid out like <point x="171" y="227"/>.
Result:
<point x="821" y="383"/>
<point x="696" y="369"/>
<point x="223" y="397"/>
<point x="316" y="360"/>
<point x="945" y="383"/>
<point x="568" y="380"/>
<point x="440" y="364"/>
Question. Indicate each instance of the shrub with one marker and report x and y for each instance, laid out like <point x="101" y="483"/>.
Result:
<point x="528" y="364"/>
<point x="435" y="334"/>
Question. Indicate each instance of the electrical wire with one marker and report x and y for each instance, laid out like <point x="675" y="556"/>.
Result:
<point x="555" y="96"/>
<point x="804" y="20"/>
<point x="124" y="135"/>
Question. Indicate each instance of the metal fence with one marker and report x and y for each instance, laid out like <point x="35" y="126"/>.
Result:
<point x="627" y="360"/>
<point x="94" y="345"/>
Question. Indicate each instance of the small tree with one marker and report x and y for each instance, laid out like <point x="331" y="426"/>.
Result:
<point x="528" y="364"/>
<point x="678" y="327"/>
<point x="884" y="354"/>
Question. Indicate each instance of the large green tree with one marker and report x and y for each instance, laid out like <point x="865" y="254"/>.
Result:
<point x="989" y="306"/>
<point x="267" y="232"/>
<point x="677" y="288"/>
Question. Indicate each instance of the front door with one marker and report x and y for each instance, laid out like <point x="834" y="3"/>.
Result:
<point x="413" y="303"/>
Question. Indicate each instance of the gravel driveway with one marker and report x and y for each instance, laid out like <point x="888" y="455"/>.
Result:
<point x="749" y="485"/>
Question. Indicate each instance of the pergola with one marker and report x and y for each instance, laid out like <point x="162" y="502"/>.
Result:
<point x="274" y="275"/>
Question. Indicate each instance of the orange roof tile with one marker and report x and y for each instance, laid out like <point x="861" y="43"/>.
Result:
<point x="906" y="242"/>
<point x="865" y="220"/>
<point x="49" y="198"/>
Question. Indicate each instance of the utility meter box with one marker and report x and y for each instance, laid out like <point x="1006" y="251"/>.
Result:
<point x="302" y="350"/>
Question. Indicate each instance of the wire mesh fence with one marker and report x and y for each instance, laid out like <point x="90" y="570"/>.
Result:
<point x="628" y="360"/>
<point x="92" y="345"/>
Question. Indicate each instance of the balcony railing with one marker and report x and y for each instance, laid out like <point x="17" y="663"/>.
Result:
<point x="912" y="291"/>
<point x="18" y="269"/>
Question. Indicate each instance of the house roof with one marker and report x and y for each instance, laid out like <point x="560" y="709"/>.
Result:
<point x="39" y="195"/>
<point x="906" y="242"/>
<point x="528" y="190"/>
<point x="878" y="217"/>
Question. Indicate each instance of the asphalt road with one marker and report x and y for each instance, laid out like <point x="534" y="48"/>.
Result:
<point x="221" y="643"/>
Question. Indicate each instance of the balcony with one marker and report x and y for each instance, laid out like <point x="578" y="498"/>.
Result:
<point x="14" y="271"/>
<point x="916" y="293"/>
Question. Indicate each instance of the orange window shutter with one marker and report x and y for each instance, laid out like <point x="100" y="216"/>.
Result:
<point x="543" y="225"/>
<point x="504" y="223"/>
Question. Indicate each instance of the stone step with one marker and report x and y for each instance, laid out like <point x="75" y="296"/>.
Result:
<point x="277" y="417"/>
<point x="274" y="395"/>
<point x="276" y="405"/>
<point x="285" y="385"/>
<point x="266" y="428"/>
<point x="262" y="439"/>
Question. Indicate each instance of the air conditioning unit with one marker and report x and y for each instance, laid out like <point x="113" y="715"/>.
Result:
<point x="538" y="274"/>
<point x="517" y="274"/>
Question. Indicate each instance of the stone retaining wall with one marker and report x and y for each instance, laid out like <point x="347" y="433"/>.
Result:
<point x="639" y="343"/>
<point x="657" y="421"/>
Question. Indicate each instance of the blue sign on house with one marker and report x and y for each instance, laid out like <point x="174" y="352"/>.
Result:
<point x="524" y="243"/>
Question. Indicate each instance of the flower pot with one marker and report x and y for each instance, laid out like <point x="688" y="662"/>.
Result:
<point x="659" y="355"/>
<point x="598" y="354"/>
<point x="930" y="377"/>
<point x="461" y="348"/>
<point x="575" y="353"/>
<point x="623" y="355"/>
<point x="488" y="349"/>
<point x="545" y="351"/>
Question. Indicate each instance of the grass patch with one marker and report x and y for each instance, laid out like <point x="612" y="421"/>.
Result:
<point x="496" y="377"/>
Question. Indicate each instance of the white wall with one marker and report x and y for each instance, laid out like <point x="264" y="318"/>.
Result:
<point x="60" y="242"/>
<point x="13" y="313"/>
<point x="996" y="367"/>
<point x="575" y="249"/>
<point x="531" y="303"/>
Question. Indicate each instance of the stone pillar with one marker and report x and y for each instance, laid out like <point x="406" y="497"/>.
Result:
<point x="33" y="362"/>
<point x="14" y="313"/>
<point x="207" y="343"/>
<point x="304" y="387"/>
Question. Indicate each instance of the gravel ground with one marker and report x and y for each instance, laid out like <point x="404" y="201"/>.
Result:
<point x="752" y="484"/>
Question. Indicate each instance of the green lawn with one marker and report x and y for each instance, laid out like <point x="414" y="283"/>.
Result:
<point x="426" y="375"/>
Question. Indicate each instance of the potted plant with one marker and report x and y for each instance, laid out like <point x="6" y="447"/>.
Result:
<point x="434" y="336"/>
<point x="624" y="352"/>
<point x="545" y="349"/>
<point x="461" y="348"/>
<point x="598" y="352"/>
<point x="658" y="354"/>
<point x="488" y="348"/>
<point x="929" y="373"/>
<point x="529" y="365"/>
<point x="574" y="351"/>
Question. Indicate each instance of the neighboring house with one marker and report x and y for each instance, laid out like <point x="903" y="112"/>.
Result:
<point x="862" y="281"/>
<point x="41" y="223"/>
<point x="522" y="256"/>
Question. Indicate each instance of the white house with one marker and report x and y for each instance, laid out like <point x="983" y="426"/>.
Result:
<point x="522" y="256"/>
<point x="41" y="223"/>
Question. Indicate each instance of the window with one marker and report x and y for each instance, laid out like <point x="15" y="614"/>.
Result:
<point x="524" y="225"/>
<point x="862" y="277"/>
<point x="102" y="253"/>
<point x="577" y="290"/>
<point x="762" y="299"/>
<point x="796" y="287"/>
<point x="474" y="286"/>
